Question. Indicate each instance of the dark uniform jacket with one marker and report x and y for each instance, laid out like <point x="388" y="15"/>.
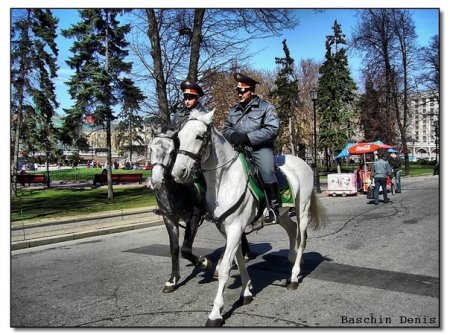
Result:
<point x="181" y="117"/>
<point x="258" y="120"/>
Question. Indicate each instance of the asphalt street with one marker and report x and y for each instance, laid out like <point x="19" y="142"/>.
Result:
<point x="371" y="266"/>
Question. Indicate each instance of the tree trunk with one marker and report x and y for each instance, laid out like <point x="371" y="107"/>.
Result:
<point x="195" y="44"/>
<point x="291" y="137"/>
<point x="130" y="140"/>
<point x="108" y="159"/>
<point x="108" y="124"/>
<point x="158" y="69"/>
<point x="15" y="160"/>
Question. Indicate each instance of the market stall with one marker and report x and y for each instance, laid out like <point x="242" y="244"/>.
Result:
<point x="361" y="177"/>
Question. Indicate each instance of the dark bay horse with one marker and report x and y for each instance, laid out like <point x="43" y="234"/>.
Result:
<point x="175" y="202"/>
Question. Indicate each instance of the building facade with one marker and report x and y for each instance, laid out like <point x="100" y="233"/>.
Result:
<point x="423" y="129"/>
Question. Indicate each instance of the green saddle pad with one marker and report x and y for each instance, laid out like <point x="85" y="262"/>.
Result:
<point x="286" y="194"/>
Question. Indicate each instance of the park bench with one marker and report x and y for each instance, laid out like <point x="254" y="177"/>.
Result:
<point x="32" y="179"/>
<point x="118" y="178"/>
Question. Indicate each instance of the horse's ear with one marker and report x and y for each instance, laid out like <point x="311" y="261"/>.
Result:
<point x="157" y="125"/>
<point x="209" y="116"/>
<point x="172" y="133"/>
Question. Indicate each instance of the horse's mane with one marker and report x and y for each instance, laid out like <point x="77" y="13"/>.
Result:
<point x="201" y="116"/>
<point x="195" y="115"/>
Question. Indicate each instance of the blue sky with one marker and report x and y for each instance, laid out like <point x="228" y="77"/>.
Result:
<point x="306" y="41"/>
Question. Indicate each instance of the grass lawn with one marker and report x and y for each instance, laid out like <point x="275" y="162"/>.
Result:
<point x="36" y="204"/>
<point x="53" y="203"/>
<point x="85" y="174"/>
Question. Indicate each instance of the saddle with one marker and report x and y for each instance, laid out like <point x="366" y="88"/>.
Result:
<point x="256" y="185"/>
<point x="255" y="182"/>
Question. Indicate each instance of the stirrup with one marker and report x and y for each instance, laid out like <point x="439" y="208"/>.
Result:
<point x="271" y="219"/>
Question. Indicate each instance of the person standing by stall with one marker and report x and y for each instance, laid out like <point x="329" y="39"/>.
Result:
<point x="380" y="170"/>
<point x="396" y="165"/>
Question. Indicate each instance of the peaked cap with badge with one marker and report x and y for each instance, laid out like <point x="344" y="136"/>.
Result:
<point x="191" y="88"/>
<point x="244" y="81"/>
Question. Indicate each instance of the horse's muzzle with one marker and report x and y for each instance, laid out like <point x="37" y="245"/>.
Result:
<point x="180" y="175"/>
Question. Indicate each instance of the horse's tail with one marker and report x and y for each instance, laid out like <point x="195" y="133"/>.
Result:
<point x="318" y="213"/>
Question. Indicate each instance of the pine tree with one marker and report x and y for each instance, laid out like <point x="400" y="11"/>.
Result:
<point x="98" y="60"/>
<point x="33" y="99"/>
<point x="130" y="126"/>
<point x="370" y="105"/>
<point x="286" y="92"/>
<point x="335" y="96"/>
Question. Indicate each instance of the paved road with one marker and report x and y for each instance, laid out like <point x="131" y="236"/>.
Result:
<point x="371" y="266"/>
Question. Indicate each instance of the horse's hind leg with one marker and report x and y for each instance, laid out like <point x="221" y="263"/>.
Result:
<point x="303" y="218"/>
<point x="291" y="229"/>
<point x="172" y="229"/>
<point x="192" y="225"/>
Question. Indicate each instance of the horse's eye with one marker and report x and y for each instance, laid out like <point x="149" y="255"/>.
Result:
<point x="199" y="137"/>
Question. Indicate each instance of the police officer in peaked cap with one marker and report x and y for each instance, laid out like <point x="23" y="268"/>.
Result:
<point x="254" y="122"/>
<point x="191" y="100"/>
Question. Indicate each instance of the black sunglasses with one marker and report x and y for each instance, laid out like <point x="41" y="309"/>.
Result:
<point x="190" y="97"/>
<point x="242" y="90"/>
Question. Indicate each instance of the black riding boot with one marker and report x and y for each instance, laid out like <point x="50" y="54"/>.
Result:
<point x="273" y="196"/>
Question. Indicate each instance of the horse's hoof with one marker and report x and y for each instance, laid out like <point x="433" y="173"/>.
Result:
<point x="214" y="323"/>
<point x="247" y="300"/>
<point x="169" y="288"/>
<point x="205" y="264"/>
<point x="292" y="286"/>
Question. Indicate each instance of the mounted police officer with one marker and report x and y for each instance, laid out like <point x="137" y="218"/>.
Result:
<point x="192" y="93"/>
<point x="255" y="123"/>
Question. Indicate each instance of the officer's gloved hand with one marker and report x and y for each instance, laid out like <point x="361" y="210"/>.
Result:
<point x="239" y="139"/>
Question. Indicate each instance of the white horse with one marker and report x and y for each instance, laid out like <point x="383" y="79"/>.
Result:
<point x="233" y="206"/>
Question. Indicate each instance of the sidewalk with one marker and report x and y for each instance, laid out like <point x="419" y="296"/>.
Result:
<point x="27" y="234"/>
<point x="32" y="233"/>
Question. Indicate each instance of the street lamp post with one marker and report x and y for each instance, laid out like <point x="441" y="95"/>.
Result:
<point x="313" y="95"/>
<point x="436" y="142"/>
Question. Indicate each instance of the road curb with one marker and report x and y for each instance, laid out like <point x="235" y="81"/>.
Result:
<point x="17" y="225"/>
<point x="80" y="235"/>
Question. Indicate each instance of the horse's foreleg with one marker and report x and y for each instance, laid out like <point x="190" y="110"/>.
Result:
<point x="245" y="247"/>
<point x="192" y="225"/>
<point x="172" y="229"/>
<point x="246" y="294"/>
<point x="233" y="238"/>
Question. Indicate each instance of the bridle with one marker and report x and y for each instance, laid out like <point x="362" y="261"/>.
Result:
<point x="206" y="139"/>
<point x="172" y="160"/>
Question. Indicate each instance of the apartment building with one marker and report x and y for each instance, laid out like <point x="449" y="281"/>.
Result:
<point x="423" y="129"/>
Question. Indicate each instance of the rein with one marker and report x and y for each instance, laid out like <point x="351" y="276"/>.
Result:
<point x="221" y="166"/>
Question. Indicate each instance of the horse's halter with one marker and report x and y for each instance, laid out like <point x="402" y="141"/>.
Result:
<point x="206" y="140"/>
